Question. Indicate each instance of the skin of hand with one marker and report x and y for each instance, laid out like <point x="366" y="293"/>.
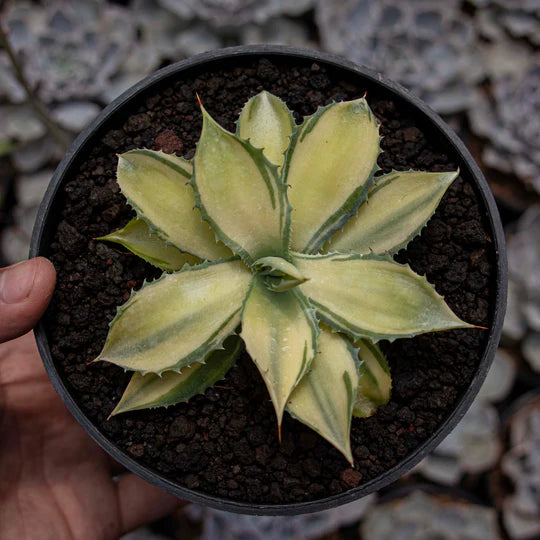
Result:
<point x="55" y="482"/>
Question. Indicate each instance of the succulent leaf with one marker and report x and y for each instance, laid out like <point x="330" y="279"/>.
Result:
<point x="240" y="195"/>
<point x="177" y="320"/>
<point x="150" y="391"/>
<point x="139" y="239"/>
<point x="398" y="207"/>
<point x="324" y="398"/>
<point x="280" y="333"/>
<point x="156" y="185"/>
<point x="329" y="166"/>
<point x="267" y="123"/>
<point x="278" y="274"/>
<point x="374" y="383"/>
<point x="373" y="297"/>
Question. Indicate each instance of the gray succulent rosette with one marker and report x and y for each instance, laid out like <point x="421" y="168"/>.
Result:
<point x="426" y="46"/>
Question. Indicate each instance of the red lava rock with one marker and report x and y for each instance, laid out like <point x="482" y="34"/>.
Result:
<point x="182" y="428"/>
<point x="136" y="450"/>
<point x="350" y="477"/>
<point x="169" y="142"/>
<point x="412" y="134"/>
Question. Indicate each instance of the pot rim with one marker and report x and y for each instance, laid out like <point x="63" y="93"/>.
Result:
<point x="429" y="116"/>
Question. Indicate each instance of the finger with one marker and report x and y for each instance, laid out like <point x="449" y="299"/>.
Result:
<point x="25" y="291"/>
<point x="141" y="503"/>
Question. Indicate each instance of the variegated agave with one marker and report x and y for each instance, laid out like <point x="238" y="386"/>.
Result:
<point x="295" y="247"/>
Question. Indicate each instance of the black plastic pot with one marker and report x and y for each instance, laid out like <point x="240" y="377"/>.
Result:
<point x="430" y="121"/>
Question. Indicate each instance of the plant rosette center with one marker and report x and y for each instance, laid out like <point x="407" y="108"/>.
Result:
<point x="278" y="237"/>
<point x="277" y="274"/>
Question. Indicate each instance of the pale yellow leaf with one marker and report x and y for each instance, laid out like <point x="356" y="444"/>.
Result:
<point x="375" y="382"/>
<point x="239" y="194"/>
<point x="178" y="319"/>
<point x="138" y="238"/>
<point x="280" y="333"/>
<point x="324" y="398"/>
<point x="330" y="166"/>
<point x="374" y="297"/>
<point x="397" y="209"/>
<point x="267" y="123"/>
<point x="157" y="187"/>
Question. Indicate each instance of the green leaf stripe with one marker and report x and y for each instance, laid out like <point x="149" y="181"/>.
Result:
<point x="151" y="390"/>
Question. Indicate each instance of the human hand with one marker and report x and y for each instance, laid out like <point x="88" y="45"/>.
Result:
<point x="55" y="482"/>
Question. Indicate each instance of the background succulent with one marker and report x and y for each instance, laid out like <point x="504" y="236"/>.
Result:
<point x="520" y="467"/>
<point x="229" y="526"/>
<point x="305" y="271"/>
<point x="519" y="18"/>
<point x="235" y="12"/>
<point x="522" y="323"/>
<point x="425" y="46"/>
<point x="423" y="515"/>
<point x="64" y="51"/>
<point x="511" y="124"/>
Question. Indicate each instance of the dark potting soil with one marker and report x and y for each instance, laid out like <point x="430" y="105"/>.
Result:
<point x="225" y="442"/>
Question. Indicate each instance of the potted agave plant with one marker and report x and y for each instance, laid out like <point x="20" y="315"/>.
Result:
<point x="295" y="250"/>
<point x="277" y="239"/>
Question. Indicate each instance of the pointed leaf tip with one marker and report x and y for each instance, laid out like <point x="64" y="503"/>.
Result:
<point x="374" y="297"/>
<point x="280" y="334"/>
<point x="278" y="274"/>
<point x="330" y="165"/>
<point x="239" y="194"/>
<point x="324" y="398"/>
<point x="138" y="238"/>
<point x="398" y="207"/>
<point x="268" y="124"/>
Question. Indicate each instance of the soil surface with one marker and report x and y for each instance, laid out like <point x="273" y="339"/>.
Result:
<point x="225" y="442"/>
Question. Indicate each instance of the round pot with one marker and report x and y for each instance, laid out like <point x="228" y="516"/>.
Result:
<point x="373" y="83"/>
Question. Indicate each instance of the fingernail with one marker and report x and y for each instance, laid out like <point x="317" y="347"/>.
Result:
<point x="16" y="282"/>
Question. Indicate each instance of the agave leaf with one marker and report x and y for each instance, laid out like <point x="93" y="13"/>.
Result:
<point x="150" y="391"/>
<point x="278" y="266"/>
<point x="138" y="238"/>
<point x="177" y="320"/>
<point x="324" y="398"/>
<point x="278" y="274"/>
<point x="157" y="186"/>
<point x="373" y="296"/>
<point x="267" y="123"/>
<point x="239" y="193"/>
<point x="330" y="166"/>
<point x="280" y="333"/>
<point x="374" y="383"/>
<point x="397" y="209"/>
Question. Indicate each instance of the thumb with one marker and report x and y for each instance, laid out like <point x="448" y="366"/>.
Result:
<point x="25" y="291"/>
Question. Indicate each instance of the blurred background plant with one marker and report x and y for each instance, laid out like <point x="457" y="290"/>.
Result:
<point x="477" y="62"/>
